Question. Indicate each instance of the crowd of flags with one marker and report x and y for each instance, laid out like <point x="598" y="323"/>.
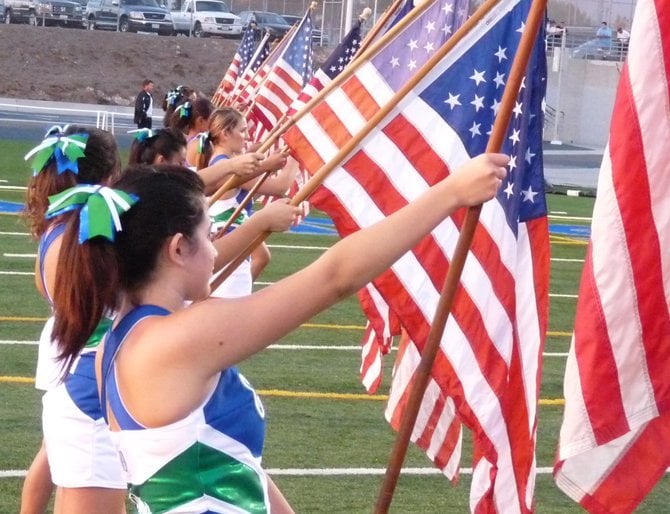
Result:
<point x="486" y="376"/>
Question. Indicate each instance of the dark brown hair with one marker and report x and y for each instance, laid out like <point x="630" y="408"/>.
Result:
<point x="165" y="142"/>
<point x="93" y="274"/>
<point x="199" y="108"/>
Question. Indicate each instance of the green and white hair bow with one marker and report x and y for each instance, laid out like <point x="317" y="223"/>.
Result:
<point x="64" y="150"/>
<point x="100" y="209"/>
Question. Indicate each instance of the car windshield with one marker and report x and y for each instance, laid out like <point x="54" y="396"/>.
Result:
<point x="213" y="6"/>
<point x="269" y="17"/>
<point x="144" y="3"/>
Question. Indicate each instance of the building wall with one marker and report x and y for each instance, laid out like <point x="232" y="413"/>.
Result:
<point x="583" y="99"/>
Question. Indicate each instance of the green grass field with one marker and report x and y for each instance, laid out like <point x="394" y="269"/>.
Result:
<point x="313" y="432"/>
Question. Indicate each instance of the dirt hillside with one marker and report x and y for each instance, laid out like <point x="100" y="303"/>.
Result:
<point x="104" y="67"/>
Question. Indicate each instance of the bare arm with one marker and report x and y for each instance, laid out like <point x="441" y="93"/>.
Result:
<point x="246" y="167"/>
<point x="222" y="325"/>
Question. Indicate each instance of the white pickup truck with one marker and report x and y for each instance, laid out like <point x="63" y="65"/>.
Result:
<point x="202" y="18"/>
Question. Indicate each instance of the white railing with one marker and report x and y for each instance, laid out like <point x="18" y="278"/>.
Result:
<point x="104" y="119"/>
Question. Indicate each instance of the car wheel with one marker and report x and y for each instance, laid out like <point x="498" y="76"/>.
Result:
<point x="124" y="26"/>
<point x="197" y="30"/>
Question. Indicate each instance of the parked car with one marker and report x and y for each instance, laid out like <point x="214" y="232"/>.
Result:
<point x="203" y="18"/>
<point x="60" y="12"/>
<point x="129" y="16"/>
<point x="20" y="11"/>
<point x="318" y="38"/>
<point x="271" y="21"/>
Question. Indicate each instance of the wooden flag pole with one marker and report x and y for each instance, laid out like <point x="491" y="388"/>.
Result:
<point x="422" y="375"/>
<point x="318" y="177"/>
<point x="235" y="94"/>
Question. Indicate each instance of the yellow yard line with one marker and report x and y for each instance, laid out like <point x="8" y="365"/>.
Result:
<point x="278" y="393"/>
<point x="21" y="318"/>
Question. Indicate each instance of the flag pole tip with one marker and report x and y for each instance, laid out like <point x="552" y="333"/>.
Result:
<point x="366" y="14"/>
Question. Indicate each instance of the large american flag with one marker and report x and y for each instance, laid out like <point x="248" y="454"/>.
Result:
<point x="615" y="438"/>
<point x="240" y="61"/>
<point x="290" y="73"/>
<point x="487" y="371"/>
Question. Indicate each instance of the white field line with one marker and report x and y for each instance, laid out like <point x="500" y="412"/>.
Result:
<point x="20" y="255"/>
<point x="26" y="273"/>
<point x="292" y="347"/>
<point x="569" y="218"/>
<point x="13" y="188"/>
<point x="324" y="472"/>
<point x="14" y="234"/>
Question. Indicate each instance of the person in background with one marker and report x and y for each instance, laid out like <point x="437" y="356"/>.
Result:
<point x="144" y="105"/>
<point x="622" y="38"/>
<point x="173" y="98"/>
<point x="604" y="35"/>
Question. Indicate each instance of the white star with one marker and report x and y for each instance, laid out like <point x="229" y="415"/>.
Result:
<point x="544" y="105"/>
<point x="411" y="64"/>
<point x="429" y="47"/>
<point x="499" y="80"/>
<point x="509" y="190"/>
<point x="529" y="196"/>
<point x="489" y="131"/>
<point x="462" y="12"/>
<point x="446" y="29"/>
<point x="412" y="44"/>
<point x="529" y="155"/>
<point x="515" y="136"/>
<point x="512" y="162"/>
<point x="474" y="130"/>
<point x="500" y="54"/>
<point x="495" y="106"/>
<point x="394" y="62"/>
<point x="333" y="68"/>
<point x="430" y="26"/>
<point x="478" y="102"/>
<point x="478" y="76"/>
<point x="448" y="8"/>
<point x="523" y="83"/>
<point x="521" y="28"/>
<point x="452" y="101"/>
<point x="517" y="109"/>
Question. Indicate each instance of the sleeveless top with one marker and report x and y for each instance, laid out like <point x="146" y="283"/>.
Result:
<point x="46" y="240"/>
<point x="207" y="462"/>
<point x="221" y="211"/>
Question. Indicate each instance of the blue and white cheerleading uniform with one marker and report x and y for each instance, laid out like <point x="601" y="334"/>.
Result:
<point x="79" y="446"/>
<point x="49" y="369"/>
<point x="207" y="462"/>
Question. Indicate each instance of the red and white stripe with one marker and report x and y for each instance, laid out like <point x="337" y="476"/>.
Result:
<point x="488" y="366"/>
<point x="377" y="341"/>
<point x="615" y="438"/>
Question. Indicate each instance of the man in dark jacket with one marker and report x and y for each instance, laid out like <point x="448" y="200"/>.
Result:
<point x="144" y="105"/>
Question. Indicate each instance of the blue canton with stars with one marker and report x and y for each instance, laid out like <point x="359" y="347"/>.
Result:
<point x="467" y="96"/>
<point x="344" y="52"/>
<point x="246" y="49"/>
<point x="298" y="54"/>
<point x="260" y="58"/>
<point x="420" y="39"/>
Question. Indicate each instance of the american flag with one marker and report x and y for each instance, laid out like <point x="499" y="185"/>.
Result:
<point x="240" y="61"/>
<point x="255" y="62"/>
<point x="487" y="371"/>
<point x="290" y="73"/>
<point x="337" y="60"/>
<point x="615" y="439"/>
